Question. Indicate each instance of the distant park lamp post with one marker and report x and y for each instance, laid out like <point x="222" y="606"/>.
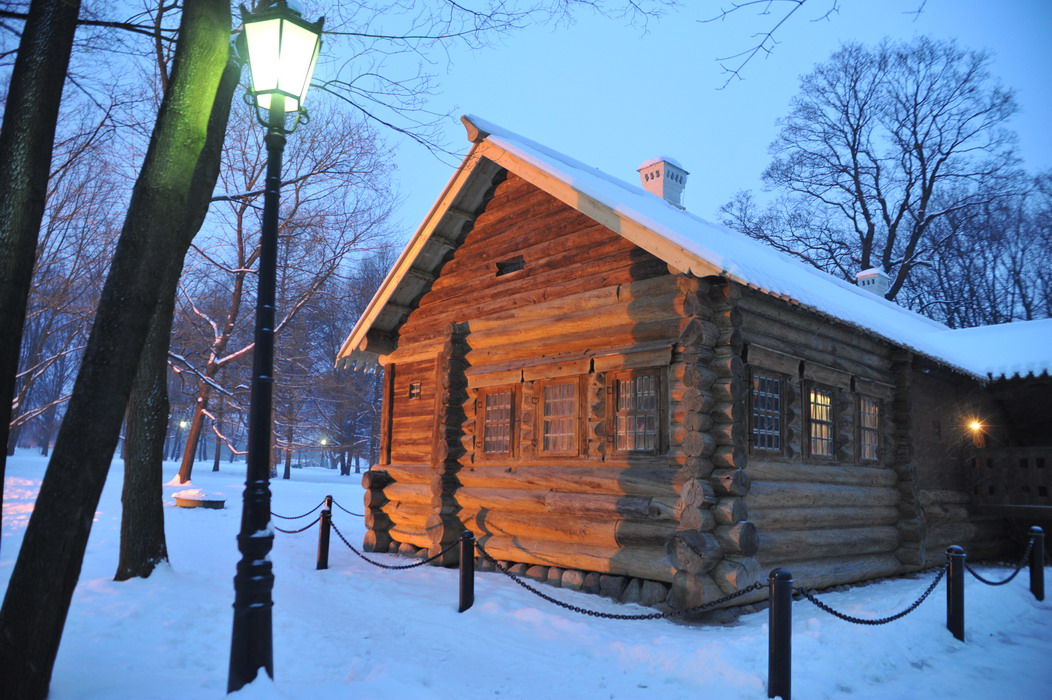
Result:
<point x="282" y="49"/>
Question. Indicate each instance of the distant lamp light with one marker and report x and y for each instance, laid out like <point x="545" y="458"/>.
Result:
<point x="978" y="435"/>
<point x="183" y="424"/>
<point x="324" y="442"/>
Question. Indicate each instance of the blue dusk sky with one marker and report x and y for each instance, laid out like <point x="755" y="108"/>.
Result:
<point x="613" y="96"/>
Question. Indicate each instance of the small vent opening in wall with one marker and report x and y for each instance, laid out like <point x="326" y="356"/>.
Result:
<point x="506" y="267"/>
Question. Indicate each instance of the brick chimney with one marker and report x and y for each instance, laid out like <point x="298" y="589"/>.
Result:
<point x="664" y="177"/>
<point x="874" y="280"/>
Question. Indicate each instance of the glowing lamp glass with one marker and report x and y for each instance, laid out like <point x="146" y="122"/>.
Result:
<point x="282" y="52"/>
<point x="975" y="426"/>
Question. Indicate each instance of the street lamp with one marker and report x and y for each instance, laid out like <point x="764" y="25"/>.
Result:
<point x="282" y="49"/>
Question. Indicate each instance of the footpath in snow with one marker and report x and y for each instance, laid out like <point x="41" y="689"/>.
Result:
<point x="357" y="631"/>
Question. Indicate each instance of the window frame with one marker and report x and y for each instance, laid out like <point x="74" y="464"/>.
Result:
<point x="660" y="410"/>
<point x="513" y="424"/>
<point x="783" y="398"/>
<point x="578" y="440"/>
<point x="810" y="420"/>
<point x="862" y="429"/>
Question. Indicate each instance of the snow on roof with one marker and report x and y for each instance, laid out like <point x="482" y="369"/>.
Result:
<point x="1004" y="351"/>
<point x="659" y="159"/>
<point x="1024" y="347"/>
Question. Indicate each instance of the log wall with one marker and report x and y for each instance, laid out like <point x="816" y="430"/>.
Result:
<point x="835" y="519"/>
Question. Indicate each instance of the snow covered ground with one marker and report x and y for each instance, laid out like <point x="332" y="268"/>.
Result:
<point x="356" y="631"/>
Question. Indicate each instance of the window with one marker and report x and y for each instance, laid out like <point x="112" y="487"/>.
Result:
<point x="820" y="422"/>
<point x="766" y="411"/>
<point x="869" y="428"/>
<point x="636" y="412"/>
<point x="414" y="390"/>
<point x="497" y="415"/>
<point x="559" y="418"/>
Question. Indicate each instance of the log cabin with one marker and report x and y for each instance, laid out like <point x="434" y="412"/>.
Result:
<point x="617" y="396"/>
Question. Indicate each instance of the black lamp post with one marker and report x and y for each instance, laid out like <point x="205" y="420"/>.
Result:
<point x="282" y="50"/>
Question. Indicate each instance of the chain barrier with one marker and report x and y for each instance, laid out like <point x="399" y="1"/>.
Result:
<point x="879" y="621"/>
<point x="391" y="567"/>
<point x="357" y="515"/>
<point x="302" y="529"/>
<point x="297" y="517"/>
<point x="614" y="616"/>
<point x="1019" y="567"/>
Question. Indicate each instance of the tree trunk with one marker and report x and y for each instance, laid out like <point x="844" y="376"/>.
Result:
<point x="193" y="435"/>
<point x="48" y="566"/>
<point x="288" y="452"/>
<point x="219" y="441"/>
<point x="26" y="141"/>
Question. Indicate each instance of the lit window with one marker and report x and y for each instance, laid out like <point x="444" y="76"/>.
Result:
<point x="497" y="416"/>
<point x="766" y="413"/>
<point x="820" y="423"/>
<point x="636" y="416"/>
<point x="559" y="429"/>
<point x="869" y="428"/>
<point x="414" y="390"/>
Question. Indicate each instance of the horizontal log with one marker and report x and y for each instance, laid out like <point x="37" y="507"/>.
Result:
<point x="640" y="562"/>
<point x="420" y="494"/>
<point x="809" y="517"/>
<point x="847" y="474"/>
<point x="730" y="510"/>
<point x="376" y="478"/>
<point x="692" y="551"/>
<point x="733" y="574"/>
<point x="416" y="537"/>
<point x="739" y="538"/>
<point x="693" y="517"/>
<point x="579" y="529"/>
<point x="374" y="498"/>
<point x="818" y="573"/>
<point x="730" y="482"/>
<point x="630" y="480"/>
<point x="537" y="501"/>
<point x="410" y="473"/>
<point x="797" y="544"/>
<point x="780" y="494"/>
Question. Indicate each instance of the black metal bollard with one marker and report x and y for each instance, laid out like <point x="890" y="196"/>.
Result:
<point x="467" y="570"/>
<point x="1037" y="563"/>
<point x="780" y="639"/>
<point x="955" y="591"/>
<point x="324" y="526"/>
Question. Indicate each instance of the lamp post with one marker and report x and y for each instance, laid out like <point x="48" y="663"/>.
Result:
<point x="282" y="49"/>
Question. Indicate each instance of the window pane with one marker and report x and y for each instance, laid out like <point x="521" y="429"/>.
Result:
<point x="869" y="422"/>
<point x="560" y="414"/>
<point x="821" y="423"/>
<point x="636" y="422"/>
<point x="766" y="413"/>
<point x="496" y="423"/>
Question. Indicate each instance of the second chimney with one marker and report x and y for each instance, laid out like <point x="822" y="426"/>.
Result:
<point x="874" y="280"/>
<point x="664" y="177"/>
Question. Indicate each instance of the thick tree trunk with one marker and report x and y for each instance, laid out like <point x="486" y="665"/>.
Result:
<point x="26" y="141"/>
<point x="143" y="544"/>
<point x="48" y="566"/>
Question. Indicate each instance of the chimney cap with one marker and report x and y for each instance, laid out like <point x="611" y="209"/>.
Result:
<point x="874" y="280"/>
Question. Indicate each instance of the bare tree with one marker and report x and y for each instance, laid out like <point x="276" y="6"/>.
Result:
<point x="881" y="144"/>
<point x="336" y="201"/>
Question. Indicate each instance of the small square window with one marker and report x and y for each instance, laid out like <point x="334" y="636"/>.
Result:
<point x="767" y="397"/>
<point x="496" y="431"/>
<point x="559" y="418"/>
<point x="820" y="423"/>
<point x="636" y="410"/>
<point x="414" y="390"/>
<point x="869" y="428"/>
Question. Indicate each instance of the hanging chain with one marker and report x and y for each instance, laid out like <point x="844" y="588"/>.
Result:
<point x="357" y="515"/>
<point x="1018" y="568"/>
<point x="293" y="532"/>
<point x="390" y="567"/>
<point x="297" y="517"/>
<point x="879" y="621"/>
<point x="614" y="616"/>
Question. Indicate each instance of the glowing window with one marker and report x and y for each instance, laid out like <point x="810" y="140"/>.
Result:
<point x="869" y="428"/>
<point x="820" y="423"/>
